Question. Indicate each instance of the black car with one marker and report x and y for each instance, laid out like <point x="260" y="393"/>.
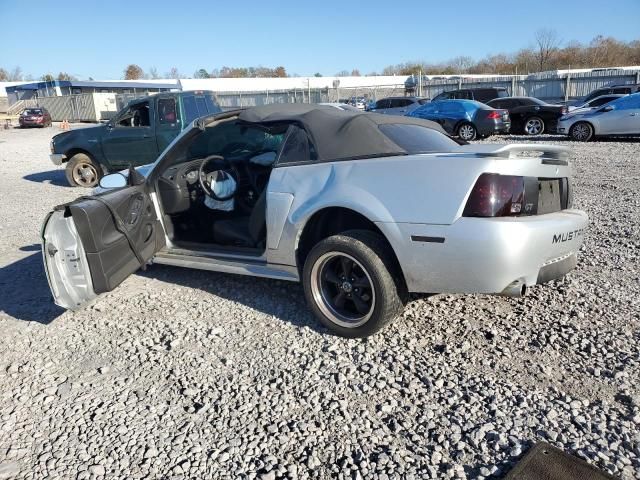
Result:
<point x="530" y="115"/>
<point x="613" y="89"/>
<point x="398" y="105"/>
<point x="482" y="95"/>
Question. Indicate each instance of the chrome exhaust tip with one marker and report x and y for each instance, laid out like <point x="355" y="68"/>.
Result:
<point x="515" y="289"/>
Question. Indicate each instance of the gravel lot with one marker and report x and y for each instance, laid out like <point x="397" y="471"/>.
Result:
<point x="188" y="374"/>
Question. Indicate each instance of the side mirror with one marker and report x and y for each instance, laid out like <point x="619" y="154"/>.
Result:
<point x="607" y="108"/>
<point x="114" y="180"/>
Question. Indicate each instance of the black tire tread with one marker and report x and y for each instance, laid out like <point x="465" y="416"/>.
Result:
<point x="391" y="290"/>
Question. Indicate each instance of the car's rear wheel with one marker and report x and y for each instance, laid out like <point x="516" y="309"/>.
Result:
<point x="581" y="132"/>
<point x="351" y="283"/>
<point x="534" y="126"/>
<point x="83" y="171"/>
<point x="467" y="132"/>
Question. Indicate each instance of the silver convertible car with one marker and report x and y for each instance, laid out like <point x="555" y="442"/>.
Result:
<point x="361" y="208"/>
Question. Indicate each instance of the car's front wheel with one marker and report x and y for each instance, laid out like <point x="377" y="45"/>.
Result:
<point x="534" y="126"/>
<point x="581" y="132"/>
<point x="467" y="132"/>
<point x="352" y="284"/>
<point x="83" y="171"/>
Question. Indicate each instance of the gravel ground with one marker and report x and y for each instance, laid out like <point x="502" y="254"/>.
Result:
<point x="190" y="374"/>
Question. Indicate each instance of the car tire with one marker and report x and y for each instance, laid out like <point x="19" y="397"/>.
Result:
<point x="358" y="305"/>
<point x="581" y="132"/>
<point x="534" y="126"/>
<point x="83" y="171"/>
<point x="467" y="131"/>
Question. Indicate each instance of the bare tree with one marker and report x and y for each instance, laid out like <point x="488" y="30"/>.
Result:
<point x="173" y="73"/>
<point x="15" y="75"/>
<point x="133" y="72"/>
<point x="461" y="64"/>
<point x="65" y="76"/>
<point x="547" y="43"/>
<point x="153" y="73"/>
<point x="4" y="75"/>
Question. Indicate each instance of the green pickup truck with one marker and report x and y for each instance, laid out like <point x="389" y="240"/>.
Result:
<point x="135" y="136"/>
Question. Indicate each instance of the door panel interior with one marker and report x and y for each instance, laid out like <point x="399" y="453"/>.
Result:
<point x="109" y="252"/>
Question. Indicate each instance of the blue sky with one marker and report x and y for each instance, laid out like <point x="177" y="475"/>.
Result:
<point x="99" y="38"/>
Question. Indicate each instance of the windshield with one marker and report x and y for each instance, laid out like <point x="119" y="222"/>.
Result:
<point x="32" y="111"/>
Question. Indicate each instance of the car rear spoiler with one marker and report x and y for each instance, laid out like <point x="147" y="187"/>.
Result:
<point x="554" y="153"/>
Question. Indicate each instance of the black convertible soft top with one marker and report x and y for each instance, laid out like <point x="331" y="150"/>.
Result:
<point x="336" y="134"/>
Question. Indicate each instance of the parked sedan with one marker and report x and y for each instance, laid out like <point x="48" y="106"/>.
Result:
<point x="34" y="117"/>
<point x="530" y="115"/>
<point x="398" y="105"/>
<point x="620" y="117"/>
<point x="596" y="102"/>
<point x="360" y="223"/>
<point x="467" y="119"/>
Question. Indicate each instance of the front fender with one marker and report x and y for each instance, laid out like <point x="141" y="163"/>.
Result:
<point x="88" y="140"/>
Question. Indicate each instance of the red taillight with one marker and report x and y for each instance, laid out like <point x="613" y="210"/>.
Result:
<point x="494" y="114"/>
<point x="495" y="195"/>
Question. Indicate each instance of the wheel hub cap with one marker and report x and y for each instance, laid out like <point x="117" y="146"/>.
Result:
<point x="342" y="289"/>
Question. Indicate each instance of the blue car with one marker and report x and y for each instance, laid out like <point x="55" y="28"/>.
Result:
<point x="467" y="119"/>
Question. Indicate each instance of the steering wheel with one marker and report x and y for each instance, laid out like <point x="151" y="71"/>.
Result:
<point x="207" y="179"/>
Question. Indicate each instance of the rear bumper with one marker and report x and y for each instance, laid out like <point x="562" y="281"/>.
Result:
<point x="486" y="255"/>
<point x="491" y="127"/>
<point x="57" y="158"/>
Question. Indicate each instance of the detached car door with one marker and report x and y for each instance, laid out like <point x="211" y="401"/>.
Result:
<point x="93" y="244"/>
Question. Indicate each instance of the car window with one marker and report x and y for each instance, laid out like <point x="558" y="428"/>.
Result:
<point x="599" y="101"/>
<point x="384" y="103"/>
<point x="422" y="101"/>
<point x="396" y="103"/>
<point x="502" y="93"/>
<point x="462" y="95"/>
<point x="418" y="139"/>
<point x="167" y="111"/>
<point x="297" y="147"/>
<point x="499" y="103"/>
<point x="623" y="90"/>
<point x="136" y="115"/>
<point x="405" y="102"/>
<point x="444" y="96"/>
<point x="597" y="93"/>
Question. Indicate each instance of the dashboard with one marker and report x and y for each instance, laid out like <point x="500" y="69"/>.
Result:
<point x="179" y="186"/>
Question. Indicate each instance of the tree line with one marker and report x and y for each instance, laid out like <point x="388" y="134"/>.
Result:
<point x="546" y="52"/>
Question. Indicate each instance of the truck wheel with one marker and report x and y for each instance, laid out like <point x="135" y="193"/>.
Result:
<point x="83" y="171"/>
<point x="352" y="285"/>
